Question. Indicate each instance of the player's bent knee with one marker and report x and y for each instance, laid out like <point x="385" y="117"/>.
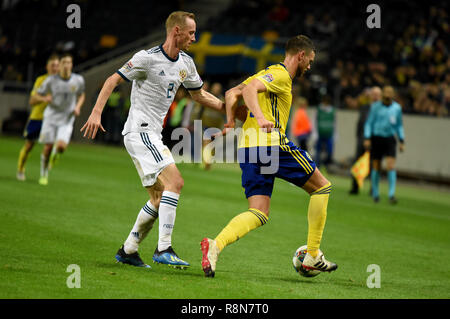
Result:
<point x="176" y="185"/>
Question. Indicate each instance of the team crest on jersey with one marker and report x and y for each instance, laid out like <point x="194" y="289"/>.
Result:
<point x="268" y="77"/>
<point x="73" y="88"/>
<point x="183" y="75"/>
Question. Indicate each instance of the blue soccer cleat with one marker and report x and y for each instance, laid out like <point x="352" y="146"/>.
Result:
<point x="131" y="259"/>
<point x="170" y="258"/>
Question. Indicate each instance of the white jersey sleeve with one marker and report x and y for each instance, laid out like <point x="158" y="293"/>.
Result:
<point x="136" y="68"/>
<point x="193" y="80"/>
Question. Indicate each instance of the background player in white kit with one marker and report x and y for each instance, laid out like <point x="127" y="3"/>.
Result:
<point x="156" y="74"/>
<point x="66" y="97"/>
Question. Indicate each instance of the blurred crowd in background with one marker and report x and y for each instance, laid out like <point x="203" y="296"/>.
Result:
<point x="412" y="55"/>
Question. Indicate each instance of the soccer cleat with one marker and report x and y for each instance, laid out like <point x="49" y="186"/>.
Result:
<point x="318" y="263"/>
<point x="170" y="258"/>
<point x="21" y="176"/>
<point x="376" y="199"/>
<point x="393" y="200"/>
<point x="43" y="181"/>
<point x="131" y="259"/>
<point x="210" y="254"/>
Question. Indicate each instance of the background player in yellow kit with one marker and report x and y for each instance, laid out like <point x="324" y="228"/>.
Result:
<point x="34" y="123"/>
<point x="268" y="97"/>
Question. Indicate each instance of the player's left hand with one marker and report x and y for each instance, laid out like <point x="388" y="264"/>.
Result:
<point x="402" y="147"/>
<point x="226" y="129"/>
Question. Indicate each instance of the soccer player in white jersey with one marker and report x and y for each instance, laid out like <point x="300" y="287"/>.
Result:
<point x="156" y="74"/>
<point x="65" y="94"/>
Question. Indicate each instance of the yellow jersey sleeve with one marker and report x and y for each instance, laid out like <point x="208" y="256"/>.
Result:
<point x="275" y="80"/>
<point x="37" y="111"/>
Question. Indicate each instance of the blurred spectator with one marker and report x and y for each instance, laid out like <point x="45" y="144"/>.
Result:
<point x="11" y="74"/>
<point x="301" y="125"/>
<point x="279" y="12"/>
<point x="326" y="118"/>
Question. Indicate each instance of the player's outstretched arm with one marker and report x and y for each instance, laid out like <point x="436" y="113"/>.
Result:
<point x="250" y="95"/>
<point x="232" y="97"/>
<point x="38" y="98"/>
<point x="80" y="102"/>
<point x="93" y="123"/>
<point x="207" y="99"/>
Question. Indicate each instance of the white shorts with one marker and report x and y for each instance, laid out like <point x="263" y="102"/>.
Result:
<point x="52" y="132"/>
<point x="149" y="154"/>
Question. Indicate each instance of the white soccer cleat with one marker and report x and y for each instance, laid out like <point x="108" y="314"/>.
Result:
<point x="21" y="176"/>
<point x="318" y="263"/>
<point x="210" y="254"/>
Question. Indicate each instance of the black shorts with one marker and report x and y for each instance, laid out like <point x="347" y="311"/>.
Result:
<point x="383" y="146"/>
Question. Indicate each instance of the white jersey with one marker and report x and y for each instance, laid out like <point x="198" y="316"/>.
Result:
<point x="64" y="93"/>
<point x="156" y="78"/>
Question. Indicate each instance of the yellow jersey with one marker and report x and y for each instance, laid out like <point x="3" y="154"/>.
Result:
<point x="37" y="110"/>
<point x="275" y="104"/>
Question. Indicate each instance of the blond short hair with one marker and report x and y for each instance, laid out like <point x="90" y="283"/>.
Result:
<point x="178" y="18"/>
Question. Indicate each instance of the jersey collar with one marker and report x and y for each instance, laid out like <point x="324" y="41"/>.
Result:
<point x="168" y="57"/>
<point x="282" y="64"/>
<point x="65" y="80"/>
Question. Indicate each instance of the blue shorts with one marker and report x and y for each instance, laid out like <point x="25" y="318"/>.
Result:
<point x="32" y="129"/>
<point x="260" y="165"/>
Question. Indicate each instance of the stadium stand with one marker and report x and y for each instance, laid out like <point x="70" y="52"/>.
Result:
<point x="412" y="57"/>
<point x="30" y="30"/>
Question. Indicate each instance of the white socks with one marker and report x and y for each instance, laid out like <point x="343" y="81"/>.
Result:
<point x="167" y="214"/>
<point x="44" y="166"/>
<point x="146" y="218"/>
<point x="144" y="223"/>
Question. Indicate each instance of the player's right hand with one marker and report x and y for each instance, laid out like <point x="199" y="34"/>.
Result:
<point x="267" y="126"/>
<point x="92" y="125"/>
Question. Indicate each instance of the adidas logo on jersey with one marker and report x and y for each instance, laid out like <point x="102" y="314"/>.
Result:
<point x="162" y="73"/>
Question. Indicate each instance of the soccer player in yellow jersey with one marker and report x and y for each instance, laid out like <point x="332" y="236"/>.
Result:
<point x="265" y="153"/>
<point x="34" y="123"/>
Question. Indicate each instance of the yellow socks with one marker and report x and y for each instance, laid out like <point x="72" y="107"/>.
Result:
<point x="317" y="215"/>
<point x="23" y="156"/>
<point x="239" y="226"/>
<point x="243" y="223"/>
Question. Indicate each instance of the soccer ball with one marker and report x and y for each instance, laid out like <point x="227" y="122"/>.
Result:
<point x="297" y="260"/>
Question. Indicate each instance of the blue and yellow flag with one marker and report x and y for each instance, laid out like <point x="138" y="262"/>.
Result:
<point x="225" y="54"/>
<point x="360" y="170"/>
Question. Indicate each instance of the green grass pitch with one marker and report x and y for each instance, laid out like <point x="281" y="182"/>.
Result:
<point x="93" y="197"/>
